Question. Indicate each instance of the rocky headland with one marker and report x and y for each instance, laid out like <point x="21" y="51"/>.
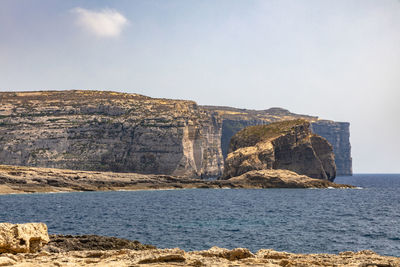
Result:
<point x="91" y="250"/>
<point x="286" y="145"/>
<point x="119" y="132"/>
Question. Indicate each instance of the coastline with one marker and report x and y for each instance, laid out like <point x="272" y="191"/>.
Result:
<point x="22" y="179"/>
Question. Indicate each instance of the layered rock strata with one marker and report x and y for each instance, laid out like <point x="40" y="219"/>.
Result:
<point x="108" y="131"/>
<point x="287" y="145"/>
<point x="337" y="133"/>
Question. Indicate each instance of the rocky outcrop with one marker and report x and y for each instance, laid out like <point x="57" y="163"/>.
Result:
<point x="287" y="145"/>
<point x="281" y="179"/>
<point x="337" y="133"/>
<point x="108" y="131"/>
<point x="22" y="238"/>
<point x="65" y="243"/>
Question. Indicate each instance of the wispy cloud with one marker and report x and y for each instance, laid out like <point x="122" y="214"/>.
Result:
<point x="103" y="23"/>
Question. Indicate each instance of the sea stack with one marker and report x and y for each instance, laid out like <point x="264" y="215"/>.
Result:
<point x="287" y="145"/>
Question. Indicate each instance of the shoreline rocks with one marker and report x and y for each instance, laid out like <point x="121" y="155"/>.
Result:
<point x="91" y="251"/>
<point x="17" y="179"/>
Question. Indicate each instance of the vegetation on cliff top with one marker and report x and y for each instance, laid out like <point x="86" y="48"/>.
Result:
<point x="252" y="135"/>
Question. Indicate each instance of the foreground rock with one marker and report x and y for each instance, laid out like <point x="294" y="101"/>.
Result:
<point x="22" y="238"/>
<point x="288" y="145"/>
<point x="91" y="250"/>
<point x="213" y="257"/>
<point x="16" y="179"/>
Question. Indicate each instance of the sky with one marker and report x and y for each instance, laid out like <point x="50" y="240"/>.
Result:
<point x="336" y="59"/>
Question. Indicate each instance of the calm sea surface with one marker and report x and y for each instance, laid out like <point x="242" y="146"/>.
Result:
<point x="294" y="220"/>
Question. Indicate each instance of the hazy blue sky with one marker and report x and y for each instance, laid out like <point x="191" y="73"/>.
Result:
<point x="338" y="59"/>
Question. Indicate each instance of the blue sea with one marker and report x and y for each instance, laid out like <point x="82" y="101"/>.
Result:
<point x="293" y="220"/>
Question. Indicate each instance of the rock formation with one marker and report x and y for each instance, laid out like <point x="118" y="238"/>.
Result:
<point x="22" y="238"/>
<point x="337" y="133"/>
<point x="280" y="179"/>
<point x="287" y="145"/>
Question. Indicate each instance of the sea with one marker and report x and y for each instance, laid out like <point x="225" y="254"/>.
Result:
<point x="292" y="220"/>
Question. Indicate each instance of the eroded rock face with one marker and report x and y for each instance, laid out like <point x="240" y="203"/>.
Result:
<point x="108" y="131"/>
<point x="288" y="145"/>
<point x="22" y="238"/>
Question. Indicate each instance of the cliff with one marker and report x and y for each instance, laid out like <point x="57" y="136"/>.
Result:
<point x="287" y="145"/>
<point x="337" y="133"/>
<point x="108" y="131"/>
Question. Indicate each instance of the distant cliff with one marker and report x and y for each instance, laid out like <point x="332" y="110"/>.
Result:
<point x="284" y="145"/>
<point x="337" y="133"/>
<point x="110" y="131"/>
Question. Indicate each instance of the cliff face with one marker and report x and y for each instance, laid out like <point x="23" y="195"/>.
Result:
<point x="107" y="131"/>
<point x="337" y="133"/>
<point x="287" y="145"/>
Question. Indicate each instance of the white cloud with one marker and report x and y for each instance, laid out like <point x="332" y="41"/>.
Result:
<point x="103" y="23"/>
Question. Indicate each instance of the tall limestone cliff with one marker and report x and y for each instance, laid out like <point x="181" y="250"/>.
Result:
<point x="337" y="133"/>
<point x="108" y="131"/>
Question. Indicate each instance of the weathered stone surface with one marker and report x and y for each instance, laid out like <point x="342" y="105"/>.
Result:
<point x="6" y="261"/>
<point x="232" y="255"/>
<point x="287" y="145"/>
<point x="337" y="133"/>
<point x="108" y="131"/>
<point x="215" y="257"/>
<point x="22" y="238"/>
